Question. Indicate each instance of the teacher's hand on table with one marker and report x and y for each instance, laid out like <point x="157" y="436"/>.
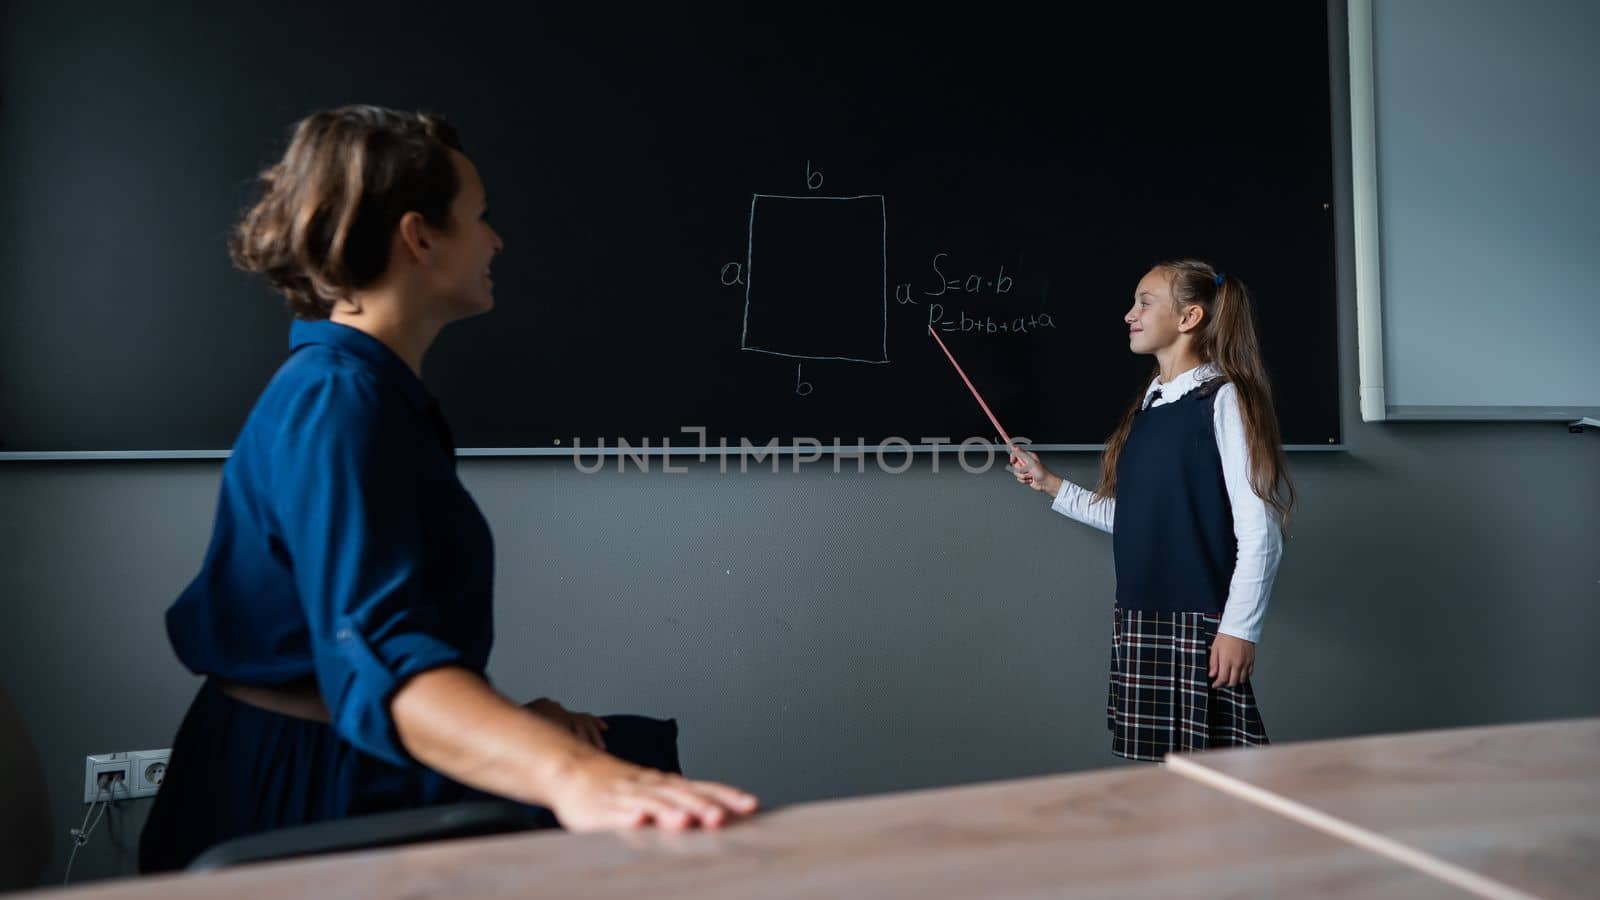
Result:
<point x="599" y="792"/>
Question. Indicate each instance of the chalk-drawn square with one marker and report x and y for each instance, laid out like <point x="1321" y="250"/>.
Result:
<point x="816" y="278"/>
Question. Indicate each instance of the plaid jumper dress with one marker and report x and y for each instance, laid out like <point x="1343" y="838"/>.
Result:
<point x="1175" y="553"/>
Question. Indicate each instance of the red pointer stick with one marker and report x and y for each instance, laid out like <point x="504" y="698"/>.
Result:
<point x="974" y="390"/>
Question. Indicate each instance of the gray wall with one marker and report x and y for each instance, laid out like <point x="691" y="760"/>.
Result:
<point x="821" y="634"/>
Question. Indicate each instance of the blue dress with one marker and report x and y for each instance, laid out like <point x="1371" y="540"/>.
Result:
<point x="346" y="554"/>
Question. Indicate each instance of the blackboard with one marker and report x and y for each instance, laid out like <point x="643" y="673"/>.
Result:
<point x="740" y="218"/>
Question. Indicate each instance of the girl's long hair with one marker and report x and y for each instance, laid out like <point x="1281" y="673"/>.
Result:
<point x="1225" y="337"/>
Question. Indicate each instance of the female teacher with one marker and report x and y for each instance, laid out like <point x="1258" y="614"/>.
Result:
<point x="342" y="615"/>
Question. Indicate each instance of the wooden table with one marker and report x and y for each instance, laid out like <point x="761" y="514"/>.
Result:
<point x="1501" y="811"/>
<point x="1127" y="833"/>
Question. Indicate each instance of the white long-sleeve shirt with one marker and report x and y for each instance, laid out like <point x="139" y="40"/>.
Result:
<point x="1255" y="525"/>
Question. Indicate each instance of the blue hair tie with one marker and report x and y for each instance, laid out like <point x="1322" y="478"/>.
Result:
<point x="1220" y="278"/>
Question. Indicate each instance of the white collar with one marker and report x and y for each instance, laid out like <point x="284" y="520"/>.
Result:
<point x="1181" y="383"/>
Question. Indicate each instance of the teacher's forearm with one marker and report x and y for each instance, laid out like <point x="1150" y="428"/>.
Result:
<point x="451" y="720"/>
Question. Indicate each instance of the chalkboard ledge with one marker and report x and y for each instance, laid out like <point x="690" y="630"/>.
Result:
<point x="758" y="453"/>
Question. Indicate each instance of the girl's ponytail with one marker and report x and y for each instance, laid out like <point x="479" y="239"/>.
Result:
<point x="1231" y="343"/>
<point x="1233" y="332"/>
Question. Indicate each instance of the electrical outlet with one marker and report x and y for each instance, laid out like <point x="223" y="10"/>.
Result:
<point x="149" y="769"/>
<point x="136" y="774"/>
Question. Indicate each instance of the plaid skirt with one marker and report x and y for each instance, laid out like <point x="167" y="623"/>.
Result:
<point x="1161" y="699"/>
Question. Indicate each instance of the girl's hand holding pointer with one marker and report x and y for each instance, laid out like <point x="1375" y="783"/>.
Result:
<point x="1030" y="471"/>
